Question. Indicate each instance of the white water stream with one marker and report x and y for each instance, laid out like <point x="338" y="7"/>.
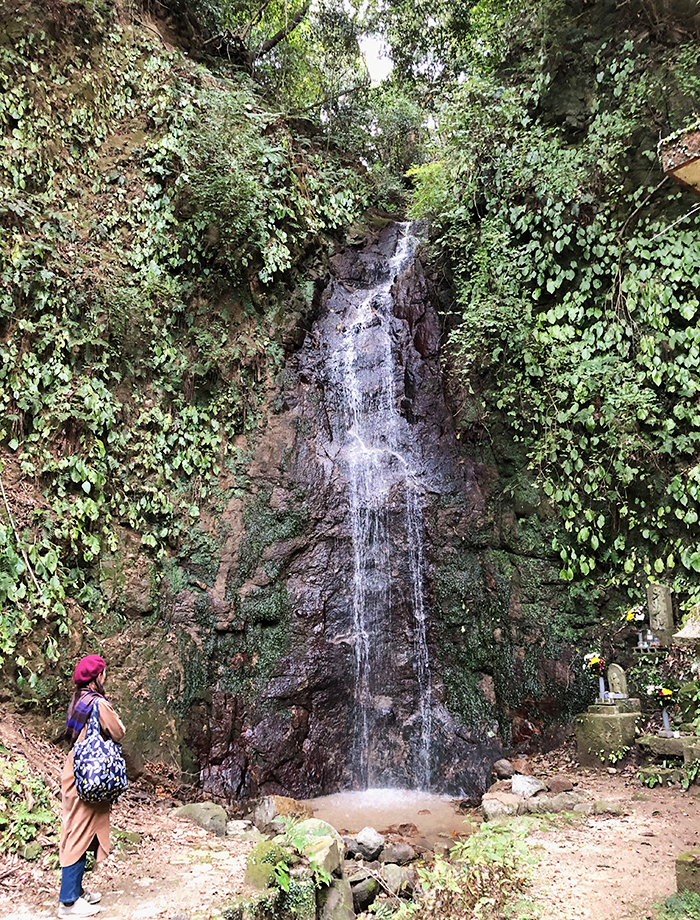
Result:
<point x="382" y="477"/>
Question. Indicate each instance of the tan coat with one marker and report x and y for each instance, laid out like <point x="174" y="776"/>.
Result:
<point x="82" y="821"/>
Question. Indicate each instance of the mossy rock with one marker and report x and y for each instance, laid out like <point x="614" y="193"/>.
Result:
<point x="261" y="906"/>
<point x="260" y="866"/>
<point x="32" y="850"/>
<point x="127" y="841"/>
<point x="260" y="875"/>
<point x="688" y="871"/>
<point x="267" y="852"/>
<point x="300" y="900"/>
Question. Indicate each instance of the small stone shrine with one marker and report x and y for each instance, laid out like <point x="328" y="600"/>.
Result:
<point x="660" y="614"/>
<point x="608" y="727"/>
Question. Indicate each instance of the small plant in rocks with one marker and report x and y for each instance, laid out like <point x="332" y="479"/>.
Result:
<point x="479" y="878"/>
<point x="27" y="808"/>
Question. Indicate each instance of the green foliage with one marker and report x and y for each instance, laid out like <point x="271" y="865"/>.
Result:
<point x="152" y="221"/>
<point x="300" y="841"/>
<point x="684" y="905"/>
<point x="482" y="875"/>
<point x="577" y="295"/>
<point x="304" y="55"/>
<point x="432" y="40"/>
<point x="27" y="808"/>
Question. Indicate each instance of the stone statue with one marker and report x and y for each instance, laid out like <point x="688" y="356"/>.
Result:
<point x="617" y="682"/>
<point x="660" y="612"/>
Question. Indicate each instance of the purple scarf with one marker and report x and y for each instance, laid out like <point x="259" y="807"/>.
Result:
<point x="79" y="710"/>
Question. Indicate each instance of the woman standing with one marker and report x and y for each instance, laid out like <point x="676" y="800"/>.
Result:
<point x="85" y="825"/>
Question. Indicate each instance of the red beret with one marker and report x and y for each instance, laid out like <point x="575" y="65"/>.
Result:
<point x="88" y="668"/>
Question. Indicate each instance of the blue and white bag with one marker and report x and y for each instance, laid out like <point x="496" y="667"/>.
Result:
<point x="98" y="764"/>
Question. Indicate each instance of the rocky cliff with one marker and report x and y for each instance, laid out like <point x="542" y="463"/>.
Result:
<point x="259" y="641"/>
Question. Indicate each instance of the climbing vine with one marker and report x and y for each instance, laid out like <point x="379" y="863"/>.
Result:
<point x="575" y="266"/>
<point x="154" y="219"/>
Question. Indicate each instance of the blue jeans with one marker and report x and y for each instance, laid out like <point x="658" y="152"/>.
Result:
<point x="72" y="881"/>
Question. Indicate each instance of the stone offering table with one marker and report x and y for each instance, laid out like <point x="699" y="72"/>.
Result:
<point x="606" y="729"/>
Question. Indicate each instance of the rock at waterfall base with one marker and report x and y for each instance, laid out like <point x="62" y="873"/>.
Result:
<point x="527" y="786"/>
<point x="271" y="807"/>
<point x="501" y="805"/>
<point x="503" y="769"/>
<point x="370" y="843"/>
<point x="398" y="881"/>
<point x="324" y="852"/>
<point x="336" y="901"/>
<point x="364" y="893"/>
<point x="559" y="784"/>
<point x="208" y="815"/>
<point x="399" y="853"/>
<point x="505" y="804"/>
<point x="315" y="827"/>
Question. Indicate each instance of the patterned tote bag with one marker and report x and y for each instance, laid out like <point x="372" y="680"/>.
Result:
<point x="98" y="764"/>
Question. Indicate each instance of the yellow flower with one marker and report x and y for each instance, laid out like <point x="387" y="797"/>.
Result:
<point x="630" y="615"/>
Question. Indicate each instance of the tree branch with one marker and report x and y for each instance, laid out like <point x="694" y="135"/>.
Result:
<point x="284" y="31"/>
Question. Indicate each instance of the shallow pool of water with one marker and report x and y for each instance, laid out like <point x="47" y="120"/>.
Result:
<point x="435" y="816"/>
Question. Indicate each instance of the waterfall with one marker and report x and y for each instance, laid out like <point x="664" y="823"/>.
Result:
<point x="384" y="491"/>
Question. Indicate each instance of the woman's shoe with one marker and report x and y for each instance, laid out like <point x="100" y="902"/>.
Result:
<point x="92" y="897"/>
<point x="79" y="908"/>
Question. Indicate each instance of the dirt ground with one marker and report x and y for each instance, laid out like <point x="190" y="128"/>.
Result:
<point x="602" y="867"/>
<point x="613" y="867"/>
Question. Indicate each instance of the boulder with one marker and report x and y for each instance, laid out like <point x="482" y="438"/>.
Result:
<point x="208" y="815"/>
<point x="559" y="784"/>
<point x="527" y="786"/>
<point x="260" y="875"/>
<point x="603" y="807"/>
<point x="502" y="769"/>
<point x="261" y="862"/>
<point x="501" y="805"/>
<point x="397" y="880"/>
<point x="351" y="850"/>
<point x="364" y="893"/>
<point x="567" y="801"/>
<point x="370" y="843"/>
<point x="335" y="902"/>
<point x="324" y="852"/>
<point x="271" y="807"/>
<point x="501" y="785"/>
<point x="315" y="827"/>
<point x="357" y="873"/>
<point x="399" y="853"/>
<point x="688" y="871"/>
<point x="243" y="830"/>
<point x="563" y="801"/>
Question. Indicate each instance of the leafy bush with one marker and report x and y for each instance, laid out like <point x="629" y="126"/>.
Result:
<point x="481" y="875"/>
<point x="576" y="268"/>
<point x="154" y="220"/>
<point x="685" y="905"/>
<point x="27" y="808"/>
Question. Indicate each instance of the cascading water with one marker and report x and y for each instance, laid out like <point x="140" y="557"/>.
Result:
<point x="359" y="501"/>
<point x="384" y="489"/>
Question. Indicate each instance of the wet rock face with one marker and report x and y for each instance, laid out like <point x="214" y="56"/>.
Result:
<point x="295" y="684"/>
<point x="297" y="732"/>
